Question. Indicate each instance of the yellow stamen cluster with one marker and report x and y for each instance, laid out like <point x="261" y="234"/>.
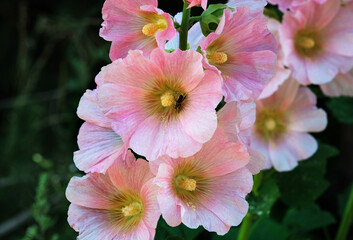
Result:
<point x="218" y="57"/>
<point x="132" y="209"/>
<point x="168" y="99"/>
<point x="306" y="42"/>
<point x="186" y="183"/>
<point x="270" y="124"/>
<point x="151" y="29"/>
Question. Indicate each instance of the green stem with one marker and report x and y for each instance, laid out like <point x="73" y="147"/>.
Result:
<point x="183" y="37"/>
<point x="244" y="227"/>
<point x="347" y="219"/>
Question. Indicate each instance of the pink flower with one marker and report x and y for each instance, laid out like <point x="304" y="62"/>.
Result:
<point x="236" y="120"/>
<point x="137" y="24"/>
<point x="121" y="204"/>
<point x="282" y="73"/>
<point x="282" y="123"/>
<point x="206" y="189"/>
<point x="164" y="104"/>
<point x="243" y="51"/>
<point x="317" y="41"/>
<point x="341" y="85"/>
<point x="202" y="3"/>
<point x="99" y="145"/>
<point x="283" y="5"/>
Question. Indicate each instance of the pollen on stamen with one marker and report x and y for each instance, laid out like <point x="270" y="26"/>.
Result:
<point x="306" y="42"/>
<point x="167" y="99"/>
<point x="186" y="183"/>
<point x="151" y="29"/>
<point x="132" y="209"/>
<point x="218" y="57"/>
<point x="270" y="124"/>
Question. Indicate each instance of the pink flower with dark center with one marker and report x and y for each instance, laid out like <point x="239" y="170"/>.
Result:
<point x="137" y="24"/>
<point x="99" y="145"/>
<point x="283" y="121"/>
<point x="202" y="3"/>
<point x="317" y="41"/>
<point x="160" y="105"/>
<point x="243" y="51"/>
<point x="206" y="189"/>
<point x="121" y="204"/>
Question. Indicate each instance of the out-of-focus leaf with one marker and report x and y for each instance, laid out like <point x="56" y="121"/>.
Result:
<point x="181" y="232"/>
<point x="266" y="229"/>
<point x="342" y="109"/>
<point x="303" y="185"/>
<point x="307" y="219"/>
<point x="266" y="197"/>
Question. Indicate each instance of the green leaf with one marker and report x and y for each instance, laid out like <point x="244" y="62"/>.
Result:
<point x="266" y="228"/>
<point x="342" y="109"/>
<point x="210" y="18"/>
<point x="307" y="219"/>
<point x="267" y="195"/>
<point x="303" y="185"/>
<point x="164" y="231"/>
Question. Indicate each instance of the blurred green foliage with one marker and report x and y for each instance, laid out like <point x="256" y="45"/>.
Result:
<point x="51" y="52"/>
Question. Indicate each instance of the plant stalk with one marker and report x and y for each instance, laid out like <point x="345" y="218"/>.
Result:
<point x="183" y="37"/>
<point x="347" y="219"/>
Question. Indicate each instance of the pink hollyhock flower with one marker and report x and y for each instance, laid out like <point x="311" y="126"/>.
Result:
<point x="282" y="123"/>
<point x="206" y="189"/>
<point x="317" y="41"/>
<point x="236" y="120"/>
<point x="282" y="73"/>
<point x="284" y="5"/>
<point x="121" y="204"/>
<point x="137" y="24"/>
<point x="202" y="3"/>
<point x="99" y="145"/>
<point x="164" y="104"/>
<point x="341" y="85"/>
<point x="244" y="53"/>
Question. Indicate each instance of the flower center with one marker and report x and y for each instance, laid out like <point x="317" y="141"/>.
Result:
<point x="270" y="125"/>
<point x="217" y="57"/>
<point x="306" y="42"/>
<point x="185" y="183"/>
<point x="132" y="209"/>
<point x="151" y="29"/>
<point x="168" y="99"/>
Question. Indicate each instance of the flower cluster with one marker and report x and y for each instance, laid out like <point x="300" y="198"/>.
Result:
<point x="196" y="152"/>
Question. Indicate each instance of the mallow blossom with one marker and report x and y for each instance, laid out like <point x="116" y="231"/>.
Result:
<point x="243" y="51"/>
<point x="206" y="189"/>
<point x="164" y="104"/>
<point x="121" y="204"/>
<point x="137" y="24"/>
<point x="99" y="145"/>
<point x="317" y="41"/>
<point x="283" y="121"/>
